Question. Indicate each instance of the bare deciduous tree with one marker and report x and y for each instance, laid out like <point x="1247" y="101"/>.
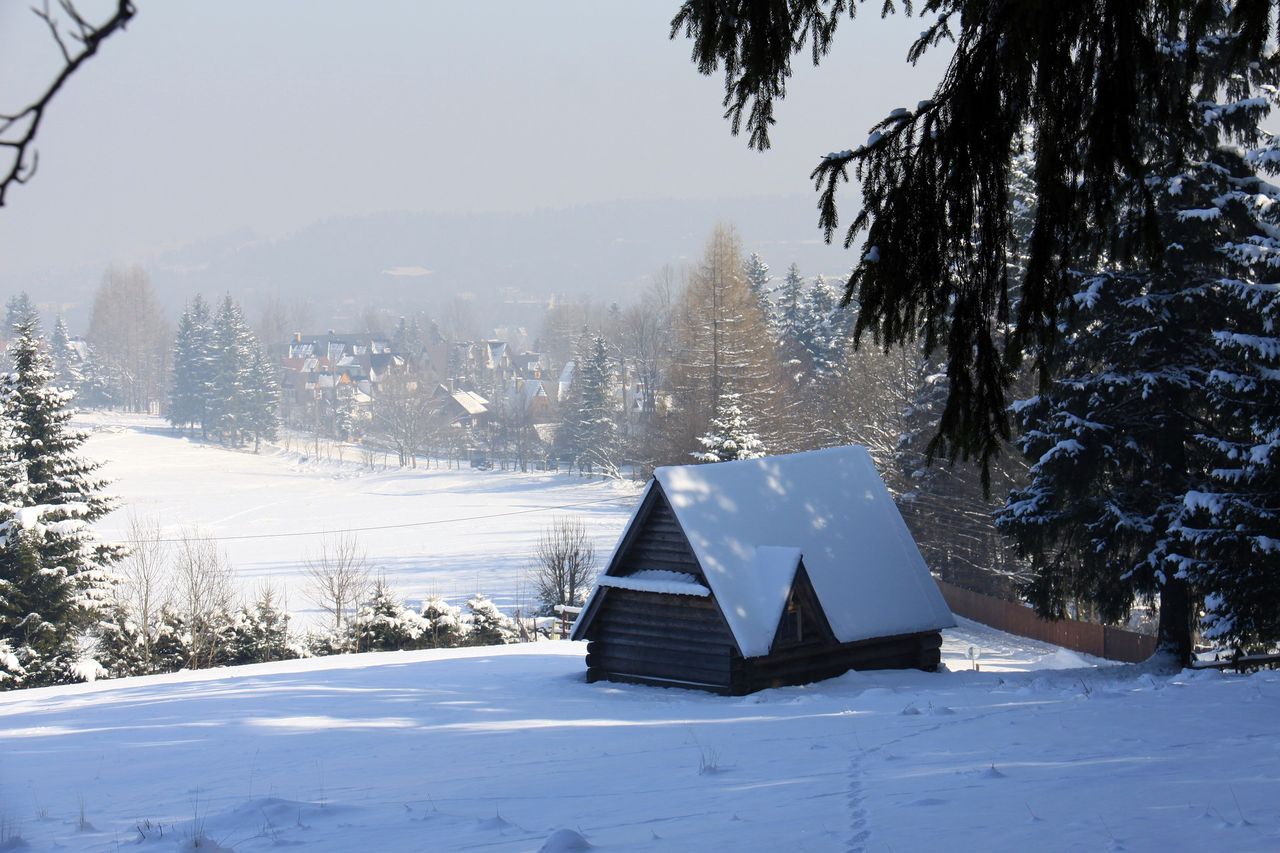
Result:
<point x="203" y="593"/>
<point x="565" y="564"/>
<point x="403" y="414"/>
<point x="143" y="590"/>
<point x="128" y="329"/>
<point x="338" y="576"/>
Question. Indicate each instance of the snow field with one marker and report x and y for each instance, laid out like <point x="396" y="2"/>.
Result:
<point x="507" y="749"/>
<point x="480" y="532"/>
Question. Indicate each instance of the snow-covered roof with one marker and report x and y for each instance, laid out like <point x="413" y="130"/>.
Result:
<point x="751" y="523"/>
<point x="471" y="403"/>
<point x="658" y="580"/>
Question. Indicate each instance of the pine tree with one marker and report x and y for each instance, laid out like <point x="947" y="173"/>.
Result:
<point x="1114" y="440"/>
<point x="18" y="311"/>
<point x="96" y="386"/>
<point x="120" y="644"/>
<point x="230" y="402"/>
<point x="597" y="441"/>
<point x="821" y="332"/>
<point x="1230" y="537"/>
<point x="385" y="624"/>
<point x="262" y="400"/>
<point x="443" y="627"/>
<point x="261" y="631"/>
<point x="729" y="436"/>
<point x="790" y="324"/>
<point x="488" y="626"/>
<point x="66" y="361"/>
<point x="756" y="272"/>
<point x="192" y="366"/>
<point x="56" y="575"/>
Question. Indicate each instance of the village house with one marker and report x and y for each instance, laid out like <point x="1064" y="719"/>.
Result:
<point x="333" y="366"/>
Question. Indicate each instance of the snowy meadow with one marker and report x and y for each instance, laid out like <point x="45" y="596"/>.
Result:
<point x="429" y="531"/>
<point x="507" y="749"/>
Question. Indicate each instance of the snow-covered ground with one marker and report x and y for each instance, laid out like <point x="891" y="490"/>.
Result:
<point x="499" y="749"/>
<point x="472" y="531"/>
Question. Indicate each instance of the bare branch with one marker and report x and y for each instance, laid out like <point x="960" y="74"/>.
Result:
<point x="90" y="38"/>
<point x="45" y="15"/>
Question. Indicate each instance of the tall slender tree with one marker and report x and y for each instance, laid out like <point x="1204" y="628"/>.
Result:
<point x="67" y="373"/>
<point x="597" y="442"/>
<point x="128" y="331"/>
<point x="193" y="362"/>
<point x="722" y="343"/>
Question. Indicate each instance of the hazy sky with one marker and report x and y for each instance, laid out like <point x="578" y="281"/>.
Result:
<point x="205" y="117"/>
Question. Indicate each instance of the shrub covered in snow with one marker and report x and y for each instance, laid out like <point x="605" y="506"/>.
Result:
<point x="443" y="626"/>
<point x="489" y="626"/>
<point x="385" y="624"/>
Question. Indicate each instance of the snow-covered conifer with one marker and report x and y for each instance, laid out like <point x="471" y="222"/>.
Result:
<point x="193" y="364"/>
<point x="67" y="374"/>
<point x="758" y="278"/>
<point x="385" y="624"/>
<point x="488" y="626"/>
<point x="17" y="311"/>
<point x="443" y="626"/>
<point x="1115" y="441"/>
<point x="228" y="406"/>
<point x="261" y="630"/>
<point x="730" y="435"/>
<point x="56" y="574"/>
<point x="597" y="442"/>
<point x="1230" y="536"/>
<point x="262" y="405"/>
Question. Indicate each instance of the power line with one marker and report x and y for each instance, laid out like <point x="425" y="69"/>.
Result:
<point x="330" y="532"/>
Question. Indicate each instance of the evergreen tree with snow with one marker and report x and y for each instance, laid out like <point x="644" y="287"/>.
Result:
<point x="758" y="278"/>
<point x="790" y="311"/>
<point x="18" y="311"/>
<point x="1115" y="440"/>
<point x="262" y="402"/>
<point x="443" y="626"/>
<point x="487" y="625"/>
<point x="1230" y="536"/>
<point x="730" y="435"/>
<point x="261" y="631"/>
<point x="193" y="363"/>
<point x="231" y="377"/>
<point x="55" y="576"/>
<point x="597" y="442"/>
<point x="243" y="395"/>
<point x="66" y="361"/>
<point x="822" y="333"/>
<point x="385" y="624"/>
<point x="120" y="644"/>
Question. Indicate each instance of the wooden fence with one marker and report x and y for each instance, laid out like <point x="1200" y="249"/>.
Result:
<point x="1087" y="637"/>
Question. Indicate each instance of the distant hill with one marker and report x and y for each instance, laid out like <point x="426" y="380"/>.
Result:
<point x="404" y="260"/>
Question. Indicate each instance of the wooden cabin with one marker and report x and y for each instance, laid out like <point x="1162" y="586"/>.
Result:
<point x="737" y="576"/>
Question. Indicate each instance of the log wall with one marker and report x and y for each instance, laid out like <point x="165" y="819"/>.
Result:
<point x="660" y="638"/>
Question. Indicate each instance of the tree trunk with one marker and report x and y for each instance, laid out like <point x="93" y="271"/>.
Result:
<point x="1173" y="637"/>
